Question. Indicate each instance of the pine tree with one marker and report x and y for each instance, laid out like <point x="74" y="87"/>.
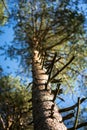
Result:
<point x="45" y="29"/>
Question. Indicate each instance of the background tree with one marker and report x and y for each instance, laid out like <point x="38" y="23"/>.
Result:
<point x="14" y="105"/>
<point x="50" y="35"/>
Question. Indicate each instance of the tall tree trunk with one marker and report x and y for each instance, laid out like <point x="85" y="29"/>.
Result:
<point x="45" y="111"/>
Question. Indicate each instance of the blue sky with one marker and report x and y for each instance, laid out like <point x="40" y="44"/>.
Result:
<point x="8" y="65"/>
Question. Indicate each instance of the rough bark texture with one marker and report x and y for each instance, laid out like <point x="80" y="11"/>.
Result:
<point x="45" y="111"/>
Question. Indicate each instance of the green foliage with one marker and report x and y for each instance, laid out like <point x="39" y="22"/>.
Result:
<point x="14" y="105"/>
<point x="57" y="26"/>
<point x="3" y="16"/>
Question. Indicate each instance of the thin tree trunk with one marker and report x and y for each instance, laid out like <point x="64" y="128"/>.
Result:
<point x="45" y="111"/>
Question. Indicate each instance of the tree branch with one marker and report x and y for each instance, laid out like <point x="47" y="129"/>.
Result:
<point x="3" y="123"/>
<point x="72" y="58"/>
<point x="50" y="69"/>
<point x="72" y="107"/>
<point x="58" y="43"/>
<point x="51" y="65"/>
<point x="79" y="126"/>
<point x="69" y="35"/>
<point x="5" y="7"/>
<point x="76" y="120"/>
<point x="56" y="91"/>
<point x="68" y="116"/>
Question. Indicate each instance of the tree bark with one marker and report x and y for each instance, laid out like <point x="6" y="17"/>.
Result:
<point x="45" y="111"/>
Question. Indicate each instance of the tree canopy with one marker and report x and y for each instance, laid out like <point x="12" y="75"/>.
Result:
<point x="14" y="105"/>
<point x="59" y="28"/>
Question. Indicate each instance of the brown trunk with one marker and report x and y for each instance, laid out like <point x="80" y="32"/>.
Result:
<point x="45" y="111"/>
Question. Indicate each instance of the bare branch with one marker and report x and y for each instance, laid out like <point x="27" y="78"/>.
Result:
<point x="72" y="107"/>
<point x="51" y="68"/>
<point x="72" y="58"/>
<point x="51" y="65"/>
<point x="76" y="120"/>
<point x="68" y="116"/>
<point x="56" y="91"/>
<point x="79" y="126"/>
